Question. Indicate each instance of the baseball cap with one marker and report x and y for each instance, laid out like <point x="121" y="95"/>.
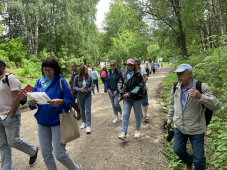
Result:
<point x="183" y="67"/>
<point x="130" y="61"/>
<point x="137" y="61"/>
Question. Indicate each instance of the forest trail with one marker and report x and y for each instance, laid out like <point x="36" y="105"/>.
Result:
<point x="102" y="150"/>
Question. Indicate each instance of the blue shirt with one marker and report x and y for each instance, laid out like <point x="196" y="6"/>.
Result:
<point x="184" y="93"/>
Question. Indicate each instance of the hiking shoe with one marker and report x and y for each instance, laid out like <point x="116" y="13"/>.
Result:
<point x="146" y="119"/>
<point x="121" y="116"/>
<point x="88" y="130"/>
<point x="122" y="136"/>
<point x="33" y="158"/>
<point x="137" y="134"/>
<point x="115" y="120"/>
<point x="190" y="167"/>
<point x="79" y="167"/>
<point x="83" y="125"/>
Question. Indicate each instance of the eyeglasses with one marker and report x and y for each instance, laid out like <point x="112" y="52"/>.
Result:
<point x="50" y="71"/>
<point x="112" y="65"/>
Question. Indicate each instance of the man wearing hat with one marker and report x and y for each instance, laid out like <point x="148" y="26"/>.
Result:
<point x="145" y="97"/>
<point x="10" y="120"/>
<point x="75" y="72"/>
<point x="188" y="115"/>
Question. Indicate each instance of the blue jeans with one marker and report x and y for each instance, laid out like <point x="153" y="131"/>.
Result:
<point x="127" y="106"/>
<point x="197" y="142"/>
<point x="115" y="104"/>
<point x="47" y="135"/>
<point x="10" y="137"/>
<point x="84" y="101"/>
<point x="96" y="83"/>
<point x="145" y="100"/>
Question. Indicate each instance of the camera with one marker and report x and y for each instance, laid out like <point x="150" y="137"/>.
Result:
<point x="170" y="133"/>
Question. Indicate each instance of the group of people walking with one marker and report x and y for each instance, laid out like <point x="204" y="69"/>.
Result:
<point x="130" y="86"/>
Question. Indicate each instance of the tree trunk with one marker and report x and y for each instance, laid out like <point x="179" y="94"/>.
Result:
<point x="181" y="37"/>
<point x="36" y="30"/>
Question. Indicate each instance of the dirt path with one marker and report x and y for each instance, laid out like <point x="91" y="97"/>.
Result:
<point x="102" y="150"/>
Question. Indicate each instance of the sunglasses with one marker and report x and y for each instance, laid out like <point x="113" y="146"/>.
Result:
<point x="50" y="71"/>
<point x="112" y="65"/>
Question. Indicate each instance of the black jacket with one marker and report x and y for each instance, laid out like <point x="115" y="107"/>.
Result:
<point x="128" y="85"/>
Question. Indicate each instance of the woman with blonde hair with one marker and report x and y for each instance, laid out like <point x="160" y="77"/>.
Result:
<point x="111" y="80"/>
<point x="83" y="84"/>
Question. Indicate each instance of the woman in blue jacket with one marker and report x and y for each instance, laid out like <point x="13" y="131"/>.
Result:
<point x="47" y="115"/>
<point x="83" y="84"/>
<point x="112" y="78"/>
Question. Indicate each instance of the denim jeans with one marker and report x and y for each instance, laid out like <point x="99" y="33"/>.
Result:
<point x="197" y="142"/>
<point x="127" y="106"/>
<point x="96" y="83"/>
<point x="84" y="101"/>
<point x="145" y="100"/>
<point x="10" y="137"/>
<point x="115" y="104"/>
<point x="47" y="135"/>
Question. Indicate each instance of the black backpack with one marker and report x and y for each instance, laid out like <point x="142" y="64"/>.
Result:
<point x="208" y="112"/>
<point x="22" y="101"/>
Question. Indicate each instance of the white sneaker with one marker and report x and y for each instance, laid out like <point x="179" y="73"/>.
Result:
<point x="88" y="130"/>
<point x="137" y="134"/>
<point x="83" y="125"/>
<point x="122" y="136"/>
<point x="115" y="120"/>
<point x="121" y="116"/>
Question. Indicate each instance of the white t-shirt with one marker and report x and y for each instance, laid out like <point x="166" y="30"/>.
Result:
<point x="6" y="97"/>
<point x="142" y="71"/>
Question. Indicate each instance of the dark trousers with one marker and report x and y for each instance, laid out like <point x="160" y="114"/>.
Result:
<point x="103" y="80"/>
<point x="76" y="107"/>
<point x="96" y="83"/>
<point x="153" y="71"/>
<point x="147" y="70"/>
<point x="197" y="141"/>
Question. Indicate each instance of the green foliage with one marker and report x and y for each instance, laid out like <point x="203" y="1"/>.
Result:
<point x="14" y="50"/>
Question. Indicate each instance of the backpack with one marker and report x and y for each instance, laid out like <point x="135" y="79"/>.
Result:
<point x="208" y="112"/>
<point x="22" y="100"/>
<point x="103" y="74"/>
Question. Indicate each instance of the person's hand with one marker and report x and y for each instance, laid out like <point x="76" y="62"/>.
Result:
<point x="70" y="81"/>
<point x="55" y="102"/>
<point x="32" y="102"/>
<point x="194" y="93"/>
<point x="108" y="91"/>
<point x="114" y="93"/>
<point x="82" y="90"/>
<point x="168" y="124"/>
<point x="126" y="95"/>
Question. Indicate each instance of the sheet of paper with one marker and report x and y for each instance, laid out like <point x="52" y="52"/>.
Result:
<point x="41" y="97"/>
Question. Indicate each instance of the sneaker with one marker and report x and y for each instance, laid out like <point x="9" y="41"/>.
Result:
<point x="88" y="130"/>
<point x="121" y="116"/>
<point x="122" y="136"/>
<point x="188" y="167"/>
<point x="146" y="119"/>
<point x="83" y="125"/>
<point x="105" y="93"/>
<point x="79" y="167"/>
<point x="33" y="158"/>
<point x="115" y="120"/>
<point x="137" y="134"/>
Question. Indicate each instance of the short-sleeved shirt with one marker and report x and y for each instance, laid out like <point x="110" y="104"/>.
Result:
<point x="143" y="72"/>
<point x="6" y="97"/>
